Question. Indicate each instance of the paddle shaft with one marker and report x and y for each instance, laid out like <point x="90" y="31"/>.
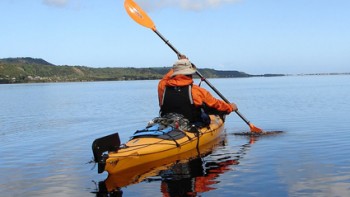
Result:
<point x="200" y="75"/>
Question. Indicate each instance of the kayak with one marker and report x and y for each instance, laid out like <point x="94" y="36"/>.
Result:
<point x="162" y="138"/>
<point x="152" y="169"/>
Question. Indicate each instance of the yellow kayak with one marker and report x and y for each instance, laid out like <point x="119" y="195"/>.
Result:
<point x="141" y="172"/>
<point x="148" y="146"/>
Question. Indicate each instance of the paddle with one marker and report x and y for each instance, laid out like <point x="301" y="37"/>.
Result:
<point x="140" y="16"/>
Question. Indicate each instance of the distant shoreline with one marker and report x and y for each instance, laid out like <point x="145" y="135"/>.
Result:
<point x="319" y="74"/>
<point x="49" y="80"/>
<point x="36" y="70"/>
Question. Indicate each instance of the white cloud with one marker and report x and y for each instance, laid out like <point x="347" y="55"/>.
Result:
<point x="56" y="3"/>
<point x="184" y="4"/>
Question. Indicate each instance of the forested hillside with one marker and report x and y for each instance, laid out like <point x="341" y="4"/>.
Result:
<point x="24" y="70"/>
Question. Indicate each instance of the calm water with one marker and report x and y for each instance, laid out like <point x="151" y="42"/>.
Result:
<point x="46" y="131"/>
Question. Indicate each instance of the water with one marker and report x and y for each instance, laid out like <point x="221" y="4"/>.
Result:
<point x="46" y="131"/>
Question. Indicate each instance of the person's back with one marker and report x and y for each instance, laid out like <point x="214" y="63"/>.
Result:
<point x="178" y="99"/>
<point x="178" y="94"/>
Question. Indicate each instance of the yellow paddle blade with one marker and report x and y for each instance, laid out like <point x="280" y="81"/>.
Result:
<point x="140" y="16"/>
<point x="255" y="129"/>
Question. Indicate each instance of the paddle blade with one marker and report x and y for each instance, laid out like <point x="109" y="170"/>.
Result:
<point x="255" y="129"/>
<point x="138" y="15"/>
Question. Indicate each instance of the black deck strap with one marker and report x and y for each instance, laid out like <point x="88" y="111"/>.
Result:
<point x="195" y="130"/>
<point x="189" y="138"/>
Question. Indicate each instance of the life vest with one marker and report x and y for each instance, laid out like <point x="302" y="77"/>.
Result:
<point x="178" y="99"/>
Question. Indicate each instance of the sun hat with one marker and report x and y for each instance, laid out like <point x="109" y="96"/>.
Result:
<point x="183" y="67"/>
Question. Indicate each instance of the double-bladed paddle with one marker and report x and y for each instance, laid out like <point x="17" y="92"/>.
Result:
<point x="141" y="17"/>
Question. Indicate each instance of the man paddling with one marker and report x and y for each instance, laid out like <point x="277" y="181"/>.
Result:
<point x="178" y="94"/>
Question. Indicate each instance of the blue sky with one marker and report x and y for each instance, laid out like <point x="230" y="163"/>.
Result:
<point x="253" y="36"/>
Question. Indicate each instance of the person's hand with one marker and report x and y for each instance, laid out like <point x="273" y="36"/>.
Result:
<point x="234" y="107"/>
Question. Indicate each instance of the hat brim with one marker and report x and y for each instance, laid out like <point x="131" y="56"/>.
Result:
<point x="187" y="71"/>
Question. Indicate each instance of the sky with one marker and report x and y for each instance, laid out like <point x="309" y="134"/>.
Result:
<point x="252" y="36"/>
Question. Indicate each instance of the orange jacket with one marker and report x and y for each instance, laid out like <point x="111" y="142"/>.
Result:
<point x="199" y="95"/>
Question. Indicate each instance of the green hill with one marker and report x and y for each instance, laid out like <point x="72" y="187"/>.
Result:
<point x="24" y="70"/>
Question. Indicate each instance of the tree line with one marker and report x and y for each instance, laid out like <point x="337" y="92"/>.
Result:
<point x="30" y="70"/>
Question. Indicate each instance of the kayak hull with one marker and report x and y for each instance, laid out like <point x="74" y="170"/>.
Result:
<point x="142" y="150"/>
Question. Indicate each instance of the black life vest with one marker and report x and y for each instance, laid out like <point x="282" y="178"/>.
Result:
<point x="178" y="99"/>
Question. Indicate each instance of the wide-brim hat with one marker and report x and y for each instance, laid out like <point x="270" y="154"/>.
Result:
<point x="183" y="67"/>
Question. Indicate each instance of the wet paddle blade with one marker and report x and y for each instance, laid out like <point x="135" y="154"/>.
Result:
<point x="138" y="15"/>
<point x="254" y="129"/>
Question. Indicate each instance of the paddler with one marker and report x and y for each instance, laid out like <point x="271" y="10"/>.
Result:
<point x="178" y="94"/>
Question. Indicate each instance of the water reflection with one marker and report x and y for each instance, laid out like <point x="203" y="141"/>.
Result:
<point x="188" y="174"/>
<point x="196" y="176"/>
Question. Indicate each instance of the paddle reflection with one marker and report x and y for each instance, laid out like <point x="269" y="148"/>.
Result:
<point x="183" y="175"/>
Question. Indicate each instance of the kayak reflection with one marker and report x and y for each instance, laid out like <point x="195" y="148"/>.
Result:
<point x="182" y="175"/>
